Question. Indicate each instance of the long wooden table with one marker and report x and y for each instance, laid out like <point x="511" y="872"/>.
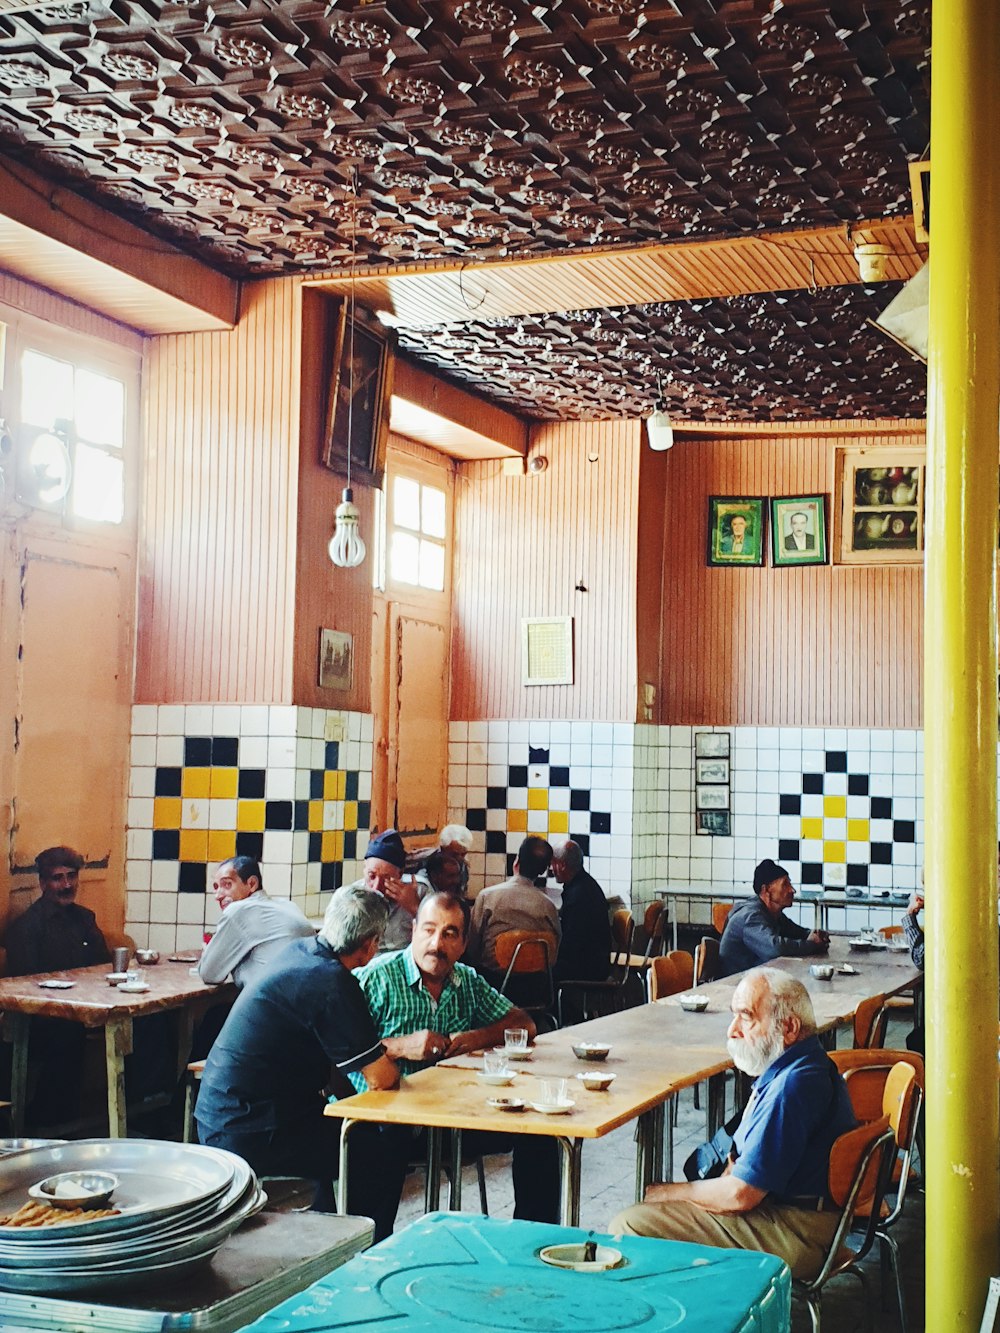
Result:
<point x="657" y="1050"/>
<point x="93" y="1003"/>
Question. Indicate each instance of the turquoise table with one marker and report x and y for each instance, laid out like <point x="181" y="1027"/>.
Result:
<point x="453" y="1271"/>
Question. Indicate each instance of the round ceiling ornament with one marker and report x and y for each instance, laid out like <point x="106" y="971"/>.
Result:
<point x="241" y="53"/>
<point x="133" y="69"/>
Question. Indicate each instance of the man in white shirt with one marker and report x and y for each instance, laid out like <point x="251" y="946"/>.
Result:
<point x="254" y="928"/>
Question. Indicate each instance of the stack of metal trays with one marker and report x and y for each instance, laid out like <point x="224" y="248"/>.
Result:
<point x="176" y="1202"/>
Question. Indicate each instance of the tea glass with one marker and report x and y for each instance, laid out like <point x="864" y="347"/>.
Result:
<point x="553" y="1092"/>
<point x="494" y="1062"/>
<point x="516" y="1039"/>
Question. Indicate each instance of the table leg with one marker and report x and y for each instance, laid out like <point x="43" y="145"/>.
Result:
<point x="648" y="1130"/>
<point x="15" y="1031"/>
<point x="432" y="1185"/>
<point x="117" y="1044"/>
<point x="346" y="1126"/>
<point x="455" y="1193"/>
<point x="672" y="906"/>
<point x="569" y="1181"/>
<point x="715" y="1103"/>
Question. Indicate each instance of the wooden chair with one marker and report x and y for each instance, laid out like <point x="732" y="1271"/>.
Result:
<point x="668" y="975"/>
<point x="706" y="960"/>
<point x="870" y="1019"/>
<point x="192" y="1077"/>
<point x="649" y="936"/>
<point x="527" y="957"/>
<point x="608" y="996"/>
<point x="720" y="915"/>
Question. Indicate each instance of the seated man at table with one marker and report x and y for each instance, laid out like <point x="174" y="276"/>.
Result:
<point x="385" y="865"/>
<point x="262" y="1092"/>
<point x="758" y="930"/>
<point x="428" y="1006"/>
<point x="516" y="904"/>
<point x="585" y="947"/>
<point x="253" y="930"/>
<point x="441" y="873"/>
<point x="455" y="842"/>
<point x="771" y="1196"/>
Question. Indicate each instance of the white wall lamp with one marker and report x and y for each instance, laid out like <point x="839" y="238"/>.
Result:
<point x="346" y="549"/>
<point x="871" y="261"/>
<point x="659" y="431"/>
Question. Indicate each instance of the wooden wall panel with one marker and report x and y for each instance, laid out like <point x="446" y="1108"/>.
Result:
<point x="522" y="544"/>
<point x="44" y="304"/>
<point x="830" y="645"/>
<point x="217" y="557"/>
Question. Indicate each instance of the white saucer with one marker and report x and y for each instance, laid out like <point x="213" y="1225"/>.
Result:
<point x="553" y="1108"/>
<point x="115" y="978"/>
<point x="57" y="985"/>
<point x="506" y="1103"/>
<point x="513" y="1055"/>
<point x="133" y="990"/>
<point x="496" y="1080"/>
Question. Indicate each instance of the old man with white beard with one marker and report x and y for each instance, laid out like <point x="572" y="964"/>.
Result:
<point x="772" y="1194"/>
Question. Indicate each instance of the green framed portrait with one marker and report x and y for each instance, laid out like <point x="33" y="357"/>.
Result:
<point x="736" y="529"/>
<point x="798" y="530"/>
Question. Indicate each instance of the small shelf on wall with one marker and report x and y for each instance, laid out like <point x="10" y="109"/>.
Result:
<point x="879" y="508"/>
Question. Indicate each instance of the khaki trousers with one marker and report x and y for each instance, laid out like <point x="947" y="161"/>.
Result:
<point x="799" y="1237"/>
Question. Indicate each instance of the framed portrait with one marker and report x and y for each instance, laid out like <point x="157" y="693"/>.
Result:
<point x="718" y="823"/>
<point x="736" y="529"/>
<point x="798" y="530"/>
<point x="358" y="392"/>
<point x="711" y="744"/>
<point x="711" y="798"/>
<point x="336" y="659"/>
<point x="711" y="770"/>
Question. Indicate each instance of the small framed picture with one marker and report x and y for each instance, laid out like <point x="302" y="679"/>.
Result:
<point x="711" y="744"/>
<point x="336" y="659"/>
<point x="736" y="530"/>
<point x="798" y="530"/>
<point x="711" y="798"/>
<point x="711" y="770"/>
<point x="716" y="822"/>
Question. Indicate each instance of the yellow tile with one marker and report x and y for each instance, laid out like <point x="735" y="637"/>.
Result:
<point x="834" y="853"/>
<point x="195" y="783"/>
<point x="221" y="844"/>
<point x="333" y="846"/>
<point x="334" y="784"/>
<point x="224" y="783"/>
<point x="812" y="828"/>
<point x="517" y="821"/>
<point x="315" y="816"/>
<point x="194" y="844"/>
<point x="341" y="785"/>
<point x="538" y="798"/>
<point x="350" y="815"/>
<point x="835" y="807"/>
<point x="250" y="816"/>
<point x="558" y="821"/>
<point x="167" y="812"/>
<point x="858" y="830"/>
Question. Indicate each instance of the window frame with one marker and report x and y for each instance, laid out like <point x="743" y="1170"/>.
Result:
<point x="425" y="474"/>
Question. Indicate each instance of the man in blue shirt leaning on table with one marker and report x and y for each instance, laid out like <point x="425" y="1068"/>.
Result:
<point x="772" y="1195"/>
<point x="757" y="930"/>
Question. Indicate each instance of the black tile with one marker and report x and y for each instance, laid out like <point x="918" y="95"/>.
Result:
<point x="192" y="877"/>
<point x="881" y="854"/>
<point x="331" y="876"/>
<point x="517" y="775"/>
<point x="351" y="785"/>
<point x="788" y="849"/>
<point x="364" y="816"/>
<point x="350" y="844"/>
<point x="198" y="752"/>
<point x="903" y="830"/>
<point x="166" y="844"/>
<point x="836" y="761"/>
<point x="790" y="805"/>
<point x="168" y="782"/>
<point x="537" y="756"/>
<point x="278" y="814"/>
<point x="300" y="819"/>
<point x="225" y="751"/>
<point x="332" y="755"/>
<point x="496" y="798"/>
<point x="579" y="800"/>
<point x="600" y="822"/>
<point x="583" y="842"/>
<point x="511" y="858"/>
<point x="857" y="784"/>
<point x="475" y="820"/>
<point x="812" y="872"/>
<point x="881" y="807"/>
<point x="251" y="784"/>
<point x="496" y="840"/>
<point x="857" y="875"/>
<point x="316" y="776"/>
<point x="315" y="852"/>
<point x="558" y="777"/>
<point x="250" y="844"/>
<point x="812" y="784"/>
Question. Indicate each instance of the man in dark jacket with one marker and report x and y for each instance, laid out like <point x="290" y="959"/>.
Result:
<point x="758" y="930"/>
<point x="585" y="949"/>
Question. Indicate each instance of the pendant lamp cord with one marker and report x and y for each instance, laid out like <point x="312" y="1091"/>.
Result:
<point x="351" y="307"/>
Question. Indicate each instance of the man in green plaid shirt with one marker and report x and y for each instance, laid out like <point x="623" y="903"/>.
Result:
<point x="428" y="1006"/>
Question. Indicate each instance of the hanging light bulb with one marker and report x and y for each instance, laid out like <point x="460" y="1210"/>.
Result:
<point x="346" y="547"/>
<point x="659" y="431"/>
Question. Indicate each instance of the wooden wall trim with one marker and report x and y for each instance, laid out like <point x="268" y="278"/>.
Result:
<point x="31" y="299"/>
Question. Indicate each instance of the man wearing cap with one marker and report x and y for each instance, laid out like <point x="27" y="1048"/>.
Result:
<point x="758" y="930"/>
<point x="385" y="861"/>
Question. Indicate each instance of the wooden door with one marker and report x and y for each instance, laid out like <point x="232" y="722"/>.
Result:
<point x="418" y="723"/>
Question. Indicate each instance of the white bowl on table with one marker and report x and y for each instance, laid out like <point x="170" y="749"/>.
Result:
<point x="693" y="1004"/>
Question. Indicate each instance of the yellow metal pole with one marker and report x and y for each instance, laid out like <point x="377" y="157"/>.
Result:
<point x="960" y="712"/>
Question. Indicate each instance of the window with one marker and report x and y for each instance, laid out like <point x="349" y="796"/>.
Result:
<point x="418" y="526"/>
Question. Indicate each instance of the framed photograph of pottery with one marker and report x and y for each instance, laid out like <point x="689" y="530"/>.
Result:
<point x="736" y="529"/>
<point x="880" y="506"/>
<point x="798" y="530"/>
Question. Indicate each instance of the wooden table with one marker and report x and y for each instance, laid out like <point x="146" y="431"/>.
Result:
<point x="95" y="1004"/>
<point x="657" y="1050"/>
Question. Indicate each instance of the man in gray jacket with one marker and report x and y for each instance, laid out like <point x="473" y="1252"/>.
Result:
<point x="758" y="930"/>
<point x="254" y="928"/>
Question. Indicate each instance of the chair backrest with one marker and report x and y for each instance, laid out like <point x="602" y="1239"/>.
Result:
<point x="870" y="1019"/>
<point x="652" y="930"/>
<point x="900" y="1101"/>
<point x="865" y="1072"/>
<point x="890" y="932"/>
<point x="720" y="915"/>
<point x="683" y="965"/>
<point x="706" y="960"/>
<point x="666" y="977"/>
<point x="622" y="930"/>
<point x="524" y="950"/>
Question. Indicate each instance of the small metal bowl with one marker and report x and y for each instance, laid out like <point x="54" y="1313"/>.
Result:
<point x="592" y="1050"/>
<point x="147" y="956"/>
<point x="694" y="1004"/>
<point x="595" y="1080"/>
<point x="75" y="1189"/>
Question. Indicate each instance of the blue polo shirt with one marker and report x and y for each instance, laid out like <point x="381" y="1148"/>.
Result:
<point x="798" y="1106"/>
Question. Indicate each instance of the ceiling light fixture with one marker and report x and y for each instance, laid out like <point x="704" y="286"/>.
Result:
<point x="347" y="550"/>
<point x="659" y="431"/>
<point x="871" y="261"/>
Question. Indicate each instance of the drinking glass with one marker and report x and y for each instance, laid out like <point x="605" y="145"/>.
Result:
<point x="516" y="1039"/>
<point x="494" y="1062"/>
<point x="553" y="1091"/>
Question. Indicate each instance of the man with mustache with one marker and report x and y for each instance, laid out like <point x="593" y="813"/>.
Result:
<point x="772" y="1195"/>
<point x="427" y="1007"/>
